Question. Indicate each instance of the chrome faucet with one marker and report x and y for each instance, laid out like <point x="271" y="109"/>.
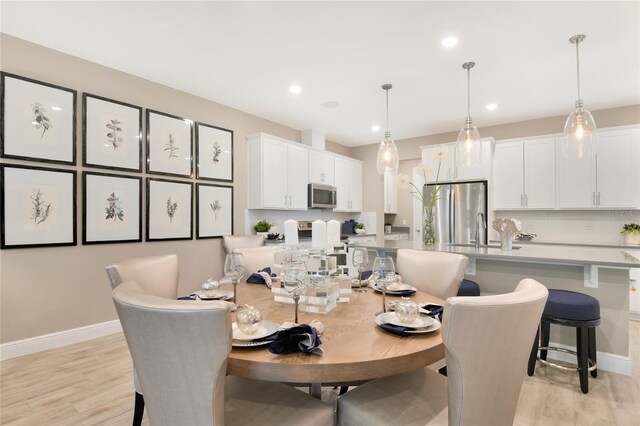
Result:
<point x="480" y="224"/>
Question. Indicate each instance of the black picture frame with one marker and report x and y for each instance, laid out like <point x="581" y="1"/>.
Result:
<point x="100" y="152"/>
<point x="56" y="115"/>
<point x="204" y="228"/>
<point x="222" y="140"/>
<point x="161" y="210"/>
<point x="120" y="209"/>
<point x="165" y="152"/>
<point x="21" y="185"/>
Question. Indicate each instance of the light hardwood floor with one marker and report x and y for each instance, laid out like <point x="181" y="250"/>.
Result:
<point x="90" y="383"/>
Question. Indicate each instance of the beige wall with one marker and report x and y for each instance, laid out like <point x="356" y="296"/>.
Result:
<point x="45" y="290"/>
<point x="409" y="152"/>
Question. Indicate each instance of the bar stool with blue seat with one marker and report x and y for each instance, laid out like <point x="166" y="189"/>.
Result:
<point x="468" y="288"/>
<point x="571" y="309"/>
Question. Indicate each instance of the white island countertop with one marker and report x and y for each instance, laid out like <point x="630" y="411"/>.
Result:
<point x="537" y="253"/>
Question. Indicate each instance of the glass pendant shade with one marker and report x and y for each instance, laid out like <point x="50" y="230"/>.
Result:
<point x="388" y="159"/>
<point x="469" y="148"/>
<point x="580" y="129"/>
<point x="579" y="134"/>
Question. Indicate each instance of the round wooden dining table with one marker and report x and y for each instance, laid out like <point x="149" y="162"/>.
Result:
<point x="355" y="349"/>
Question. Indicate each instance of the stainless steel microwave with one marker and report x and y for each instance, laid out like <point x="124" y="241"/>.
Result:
<point x="322" y="196"/>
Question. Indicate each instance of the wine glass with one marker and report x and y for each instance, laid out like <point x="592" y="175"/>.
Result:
<point x="294" y="279"/>
<point x="234" y="270"/>
<point x="384" y="273"/>
<point x="360" y="260"/>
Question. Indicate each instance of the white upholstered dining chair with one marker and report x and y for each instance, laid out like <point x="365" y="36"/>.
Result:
<point x="180" y="351"/>
<point x="487" y="342"/>
<point x="232" y="242"/>
<point x="433" y="272"/>
<point x="158" y="275"/>
<point x="257" y="258"/>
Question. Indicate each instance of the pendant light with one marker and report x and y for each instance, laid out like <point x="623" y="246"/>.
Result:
<point x="579" y="131"/>
<point x="387" y="152"/>
<point x="469" y="148"/>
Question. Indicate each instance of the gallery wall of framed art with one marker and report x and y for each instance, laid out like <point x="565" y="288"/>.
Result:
<point x="38" y="124"/>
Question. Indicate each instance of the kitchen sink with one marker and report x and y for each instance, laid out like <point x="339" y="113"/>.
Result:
<point x="496" y="246"/>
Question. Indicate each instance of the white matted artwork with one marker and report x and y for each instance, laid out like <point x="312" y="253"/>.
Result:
<point x="112" y="208"/>
<point x="169" y="147"/>
<point x="214" y="210"/>
<point x="169" y="214"/>
<point x="38" y="120"/>
<point x="112" y="134"/>
<point x="214" y="153"/>
<point x="38" y="207"/>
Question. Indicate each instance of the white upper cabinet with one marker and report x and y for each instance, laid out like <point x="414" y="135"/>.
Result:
<point x="390" y="193"/>
<point x="278" y="173"/>
<point x="449" y="170"/>
<point x="610" y="179"/>
<point x="524" y="174"/>
<point x="321" y="167"/>
<point x="348" y="183"/>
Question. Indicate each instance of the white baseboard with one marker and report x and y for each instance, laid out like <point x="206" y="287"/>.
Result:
<point x="607" y="362"/>
<point x="55" y="340"/>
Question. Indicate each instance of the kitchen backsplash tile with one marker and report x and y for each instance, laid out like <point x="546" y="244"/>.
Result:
<point x="573" y="226"/>
<point x="277" y="217"/>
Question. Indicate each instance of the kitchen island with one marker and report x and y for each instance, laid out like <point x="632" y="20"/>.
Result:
<point x="598" y="271"/>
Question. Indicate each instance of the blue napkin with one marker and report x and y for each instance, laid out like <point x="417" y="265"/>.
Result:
<point x="396" y="329"/>
<point x="403" y="293"/>
<point x="256" y="278"/>
<point x="435" y="311"/>
<point x="301" y="338"/>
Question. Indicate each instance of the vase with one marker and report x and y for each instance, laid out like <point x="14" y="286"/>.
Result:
<point x="429" y="226"/>
<point x="632" y="239"/>
<point x="506" y="241"/>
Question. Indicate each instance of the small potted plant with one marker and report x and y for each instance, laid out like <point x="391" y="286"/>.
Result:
<point x="359" y="228"/>
<point x="262" y="228"/>
<point x="631" y="232"/>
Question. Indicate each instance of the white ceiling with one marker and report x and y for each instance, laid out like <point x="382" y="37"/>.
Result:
<point x="247" y="54"/>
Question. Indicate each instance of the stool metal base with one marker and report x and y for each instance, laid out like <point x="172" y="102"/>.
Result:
<point x="592" y="364"/>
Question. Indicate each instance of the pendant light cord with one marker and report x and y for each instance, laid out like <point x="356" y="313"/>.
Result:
<point x="468" y="92"/>
<point x="387" y="132"/>
<point x="578" y="66"/>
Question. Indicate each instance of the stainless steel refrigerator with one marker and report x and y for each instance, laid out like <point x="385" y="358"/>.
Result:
<point x="456" y="211"/>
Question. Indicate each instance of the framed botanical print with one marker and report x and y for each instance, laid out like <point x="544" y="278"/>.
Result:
<point x="169" y="144"/>
<point x="214" y="153"/>
<point x="214" y="210"/>
<point x="38" y="120"/>
<point x="169" y="214"/>
<point x="112" y="134"/>
<point x="112" y="208"/>
<point x="38" y="207"/>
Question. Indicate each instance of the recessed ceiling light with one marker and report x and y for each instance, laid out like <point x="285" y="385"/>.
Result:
<point x="330" y="104"/>
<point x="295" y="89"/>
<point x="492" y="106"/>
<point x="55" y="108"/>
<point x="449" y="41"/>
<point x="375" y="128"/>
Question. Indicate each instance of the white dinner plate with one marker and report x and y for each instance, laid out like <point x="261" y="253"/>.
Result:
<point x="220" y="295"/>
<point x="401" y="289"/>
<point x="422" y="321"/>
<point x="266" y="328"/>
<point x="249" y="343"/>
<point x="433" y="327"/>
